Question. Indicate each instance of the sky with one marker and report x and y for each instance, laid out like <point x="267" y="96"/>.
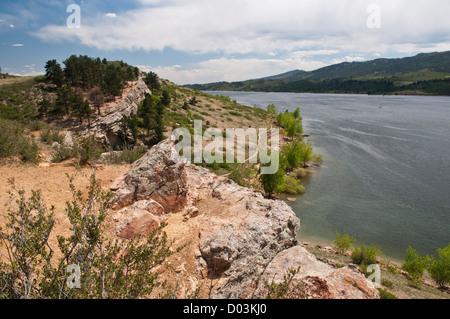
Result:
<point x="201" y="41"/>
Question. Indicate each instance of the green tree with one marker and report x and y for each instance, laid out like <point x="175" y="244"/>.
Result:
<point x="152" y="81"/>
<point x="272" y="109"/>
<point x="439" y="268"/>
<point x="414" y="264"/>
<point x="343" y="242"/>
<point x="112" y="81"/>
<point x="270" y="182"/>
<point x="54" y="73"/>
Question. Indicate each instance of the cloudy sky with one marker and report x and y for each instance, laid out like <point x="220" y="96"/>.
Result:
<point x="199" y="41"/>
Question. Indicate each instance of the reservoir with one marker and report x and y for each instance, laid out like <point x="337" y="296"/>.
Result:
<point x="385" y="176"/>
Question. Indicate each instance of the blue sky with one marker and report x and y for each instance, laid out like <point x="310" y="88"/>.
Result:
<point x="198" y="41"/>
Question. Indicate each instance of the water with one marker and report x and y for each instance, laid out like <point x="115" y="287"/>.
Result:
<point x="385" y="177"/>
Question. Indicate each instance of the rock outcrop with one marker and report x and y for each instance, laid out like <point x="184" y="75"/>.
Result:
<point x="243" y="239"/>
<point x="106" y="126"/>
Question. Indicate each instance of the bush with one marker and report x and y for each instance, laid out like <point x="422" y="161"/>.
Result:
<point x="88" y="150"/>
<point x="291" y="185"/>
<point x="297" y="153"/>
<point x="126" y="156"/>
<point x="113" y="269"/>
<point x="363" y="255"/>
<point x="14" y="142"/>
<point x="62" y="152"/>
<point x="343" y="242"/>
<point x="415" y="265"/>
<point x="384" y="294"/>
<point x="51" y="135"/>
<point x="272" y="109"/>
<point x="439" y="268"/>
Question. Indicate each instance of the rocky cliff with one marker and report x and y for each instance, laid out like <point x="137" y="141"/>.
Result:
<point x="106" y="126"/>
<point x="235" y="237"/>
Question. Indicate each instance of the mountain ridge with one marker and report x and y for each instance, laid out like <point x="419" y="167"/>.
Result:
<point x="423" y="74"/>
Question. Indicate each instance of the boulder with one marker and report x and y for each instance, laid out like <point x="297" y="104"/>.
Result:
<point x="155" y="176"/>
<point x="315" y="279"/>
<point x="140" y="219"/>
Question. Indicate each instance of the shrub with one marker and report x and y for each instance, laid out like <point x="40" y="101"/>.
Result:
<point x="439" y="268"/>
<point x="343" y="242"/>
<point x="126" y="156"/>
<point x="384" y="294"/>
<point x="272" y="109"/>
<point x="291" y="185"/>
<point x="61" y="152"/>
<point x="415" y="265"/>
<point x="113" y="269"/>
<point x="14" y="142"/>
<point x="363" y="255"/>
<point x="87" y="150"/>
<point x="51" y="135"/>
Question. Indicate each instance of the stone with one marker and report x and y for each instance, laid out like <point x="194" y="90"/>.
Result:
<point x="155" y="176"/>
<point x="139" y="220"/>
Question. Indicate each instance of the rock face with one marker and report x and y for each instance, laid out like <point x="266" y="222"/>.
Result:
<point x="244" y="239"/>
<point x="140" y="219"/>
<point x="157" y="177"/>
<point x="106" y="127"/>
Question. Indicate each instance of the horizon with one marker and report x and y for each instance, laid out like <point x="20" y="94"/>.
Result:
<point x="200" y="41"/>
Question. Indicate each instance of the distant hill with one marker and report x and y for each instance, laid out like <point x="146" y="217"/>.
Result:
<point x="424" y="74"/>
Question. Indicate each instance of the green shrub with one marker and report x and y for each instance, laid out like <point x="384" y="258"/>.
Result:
<point x="343" y="242"/>
<point x="272" y="109"/>
<point x="384" y="294"/>
<point x="414" y="264"/>
<point x="364" y="255"/>
<point x="51" y="135"/>
<point x="297" y="153"/>
<point x="88" y="150"/>
<point x="108" y="268"/>
<point x="439" y="268"/>
<point x="387" y="283"/>
<point x="291" y="185"/>
<point x="14" y="142"/>
<point x="126" y="156"/>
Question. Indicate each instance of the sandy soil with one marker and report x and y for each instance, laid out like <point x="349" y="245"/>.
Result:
<point x="53" y="182"/>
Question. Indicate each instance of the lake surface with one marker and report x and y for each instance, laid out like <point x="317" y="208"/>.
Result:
<point x="385" y="177"/>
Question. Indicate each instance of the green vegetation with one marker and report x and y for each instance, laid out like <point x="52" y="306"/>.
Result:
<point x="14" y="142"/>
<point x="108" y="268"/>
<point x="365" y="255"/>
<point x="424" y="74"/>
<point x="343" y="242"/>
<point x="439" y="267"/>
<point x="415" y="266"/>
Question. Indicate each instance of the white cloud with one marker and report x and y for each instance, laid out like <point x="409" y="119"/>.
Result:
<point x="247" y="26"/>
<point x="232" y="69"/>
<point x="17" y="45"/>
<point x="291" y="33"/>
<point x="11" y="25"/>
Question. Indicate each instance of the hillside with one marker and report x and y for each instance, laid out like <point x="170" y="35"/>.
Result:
<point x="423" y="74"/>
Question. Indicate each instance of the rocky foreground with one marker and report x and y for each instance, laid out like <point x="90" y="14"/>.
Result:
<point x="239" y="238"/>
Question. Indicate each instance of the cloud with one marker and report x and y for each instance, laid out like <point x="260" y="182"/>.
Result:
<point x="111" y="15"/>
<point x="17" y="45"/>
<point x="11" y="25"/>
<point x="233" y="69"/>
<point x="248" y="26"/>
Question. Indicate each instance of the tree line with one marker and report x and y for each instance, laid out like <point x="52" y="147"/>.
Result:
<point x="84" y="83"/>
